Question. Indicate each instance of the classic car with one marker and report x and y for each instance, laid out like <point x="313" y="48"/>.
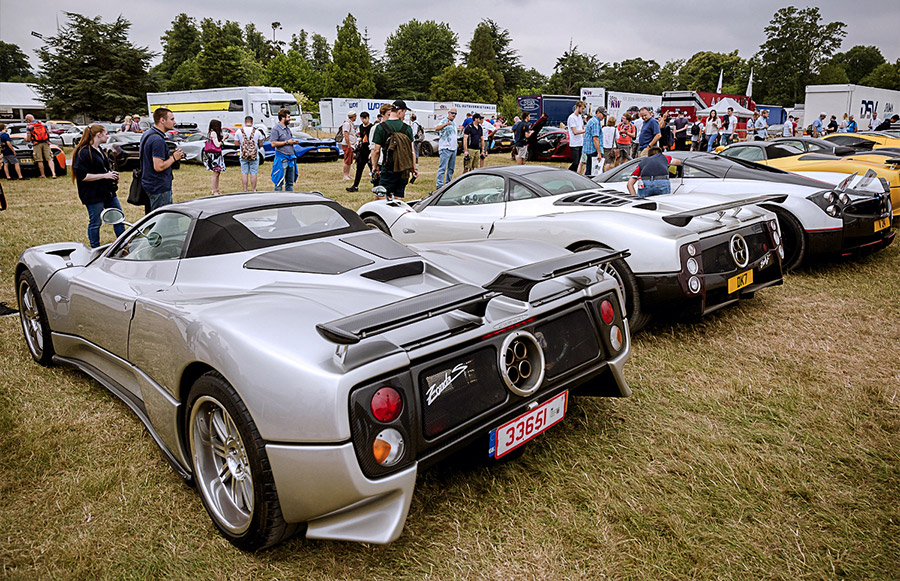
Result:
<point x="830" y="168"/>
<point x="26" y="155"/>
<point x="310" y="148"/>
<point x="817" y="220"/>
<point x="123" y="150"/>
<point x="300" y="369"/>
<point x="689" y="256"/>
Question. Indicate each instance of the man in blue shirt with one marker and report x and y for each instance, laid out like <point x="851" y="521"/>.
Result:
<point x="156" y="163"/>
<point x="446" y="148"/>
<point x="650" y="132"/>
<point x="284" y="166"/>
<point x="818" y="125"/>
<point x="592" y="150"/>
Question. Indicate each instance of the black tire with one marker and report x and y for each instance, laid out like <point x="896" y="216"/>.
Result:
<point x="219" y="425"/>
<point x="376" y="223"/>
<point x="33" y="318"/>
<point x="425" y="150"/>
<point x="793" y="239"/>
<point x="637" y="316"/>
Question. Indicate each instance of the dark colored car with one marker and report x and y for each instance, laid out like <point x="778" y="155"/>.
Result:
<point x="502" y="140"/>
<point x="123" y="150"/>
<point x="552" y="144"/>
<point x="309" y="148"/>
<point x="26" y="156"/>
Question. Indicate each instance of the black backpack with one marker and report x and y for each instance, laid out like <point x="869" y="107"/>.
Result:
<point x="695" y="129"/>
<point x="725" y="121"/>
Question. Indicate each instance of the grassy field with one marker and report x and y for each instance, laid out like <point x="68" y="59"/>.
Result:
<point x="762" y="442"/>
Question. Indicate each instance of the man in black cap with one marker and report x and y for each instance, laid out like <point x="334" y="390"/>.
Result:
<point x="393" y="157"/>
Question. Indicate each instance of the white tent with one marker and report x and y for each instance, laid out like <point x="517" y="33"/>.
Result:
<point x="721" y="108"/>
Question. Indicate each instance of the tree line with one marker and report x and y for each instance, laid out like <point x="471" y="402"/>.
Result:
<point x="91" y="68"/>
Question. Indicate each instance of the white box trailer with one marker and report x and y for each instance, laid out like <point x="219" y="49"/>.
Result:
<point x="333" y="111"/>
<point x="856" y="100"/>
<point x="229" y="105"/>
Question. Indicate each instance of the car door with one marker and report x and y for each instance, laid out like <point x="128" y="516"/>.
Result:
<point x="144" y="261"/>
<point x="466" y="210"/>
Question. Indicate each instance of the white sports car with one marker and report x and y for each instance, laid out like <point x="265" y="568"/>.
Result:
<point x="817" y="219"/>
<point x="689" y="256"/>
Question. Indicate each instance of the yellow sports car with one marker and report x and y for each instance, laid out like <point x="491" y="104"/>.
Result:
<point x="865" y="141"/>
<point x="829" y="168"/>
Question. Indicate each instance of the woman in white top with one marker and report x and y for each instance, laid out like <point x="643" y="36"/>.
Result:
<point x="842" y="127"/>
<point x="610" y="151"/>
<point x="713" y="124"/>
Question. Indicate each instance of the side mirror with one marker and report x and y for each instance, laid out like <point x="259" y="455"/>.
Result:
<point x="112" y="216"/>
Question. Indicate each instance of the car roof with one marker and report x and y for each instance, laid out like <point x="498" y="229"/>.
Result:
<point x="805" y="139"/>
<point x="215" y="205"/>
<point x="519" y="170"/>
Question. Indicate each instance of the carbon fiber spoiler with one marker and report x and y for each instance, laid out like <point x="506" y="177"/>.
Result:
<point x="684" y="218"/>
<point x="515" y="283"/>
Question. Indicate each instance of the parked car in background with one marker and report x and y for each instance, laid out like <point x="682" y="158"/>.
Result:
<point x="26" y="156"/>
<point x="56" y="126"/>
<point x="551" y="144"/>
<point x="682" y="250"/>
<point x="501" y="140"/>
<point x="309" y="148"/>
<point x="817" y="220"/>
<point x="123" y="150"/>
<point x="429" y="146"/>
<point x="866" y="141"/>
<point x="300" y="370"/>
<point x="69" y="137"/>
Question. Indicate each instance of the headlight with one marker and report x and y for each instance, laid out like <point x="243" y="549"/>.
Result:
<point x="692" y="265"/>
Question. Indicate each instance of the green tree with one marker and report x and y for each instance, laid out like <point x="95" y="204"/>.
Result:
<point x="572" y="71"/>
<point x="701" y="72"/>
<point x="185" y="76"/>
<point x="300" y="43"/>
<point x="632" y="75"/>
<point x="90" y="68"/>
<point x="350" y="72"/>
<point x="294" y="74"/>
<point x="481" y="55"/>
<point x="508" y="62"/>
<point x="458" y="83"/>
<point x="885" y="76"/>
<point x="180" y="43"/>
<point x="416" y="52"/>
<point x="14" y="65"/>
<point x="858" y="62"/>
<point x="224" y="60"/>
<point x="262" y="50"/>
<point x="321" y="53"/>
<point x="832" y="74"/>
<point x="797" y="45"/>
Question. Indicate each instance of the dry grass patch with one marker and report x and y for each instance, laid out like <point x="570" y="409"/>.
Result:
<point x="761" y="442"/>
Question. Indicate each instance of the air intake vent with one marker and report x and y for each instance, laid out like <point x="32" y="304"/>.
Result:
<point x="602" y="199"/>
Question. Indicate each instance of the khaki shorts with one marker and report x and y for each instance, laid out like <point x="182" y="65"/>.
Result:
<point x="472" y="162"/>
<point x="41" y="151"/>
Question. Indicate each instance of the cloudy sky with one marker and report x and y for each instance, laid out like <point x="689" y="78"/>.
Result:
<point x="541" y="30"/>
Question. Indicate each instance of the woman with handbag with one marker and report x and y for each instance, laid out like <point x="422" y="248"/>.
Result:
<point x="96" y="183"/>
<point x="212" y="153"/>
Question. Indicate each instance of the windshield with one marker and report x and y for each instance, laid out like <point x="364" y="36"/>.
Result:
<point x="561" y="182"/>
<point x="293" y="107"/>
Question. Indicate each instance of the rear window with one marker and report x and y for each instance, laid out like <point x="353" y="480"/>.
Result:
<point x="561" y="182"/>
<point x="292" y="221"/>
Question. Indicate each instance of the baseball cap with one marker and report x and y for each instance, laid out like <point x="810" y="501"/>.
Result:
<point x="351" y="113"/>
<point x="823" y="114"/>
<point x="398" y="104"/>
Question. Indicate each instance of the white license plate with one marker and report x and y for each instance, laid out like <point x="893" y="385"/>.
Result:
<point x="514" y="433"/>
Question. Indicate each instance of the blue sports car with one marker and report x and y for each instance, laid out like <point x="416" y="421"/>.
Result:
<point x="309" y="148"/>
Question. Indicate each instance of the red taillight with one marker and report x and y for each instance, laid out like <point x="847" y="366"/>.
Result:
<point x="607" y="312"/>
<point x="386" y="404"/>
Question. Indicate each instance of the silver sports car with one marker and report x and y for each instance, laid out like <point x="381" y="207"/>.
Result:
<point x="300" y="368"/>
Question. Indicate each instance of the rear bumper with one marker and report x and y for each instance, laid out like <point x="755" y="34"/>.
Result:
<point x="858" y="237"/>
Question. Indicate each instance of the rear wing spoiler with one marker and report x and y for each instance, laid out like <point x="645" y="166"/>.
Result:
<point x="515" y="283"/>
<point x="684" y="218"/>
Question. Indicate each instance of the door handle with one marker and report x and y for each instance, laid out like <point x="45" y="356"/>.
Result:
<point x="409" y="231"/>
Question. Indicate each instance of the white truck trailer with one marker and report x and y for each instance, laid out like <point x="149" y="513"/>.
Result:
<point x="856" y="100"/>
<point x="229" y="105"/>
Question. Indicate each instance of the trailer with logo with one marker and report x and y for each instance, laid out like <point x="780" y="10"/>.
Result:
<point x="333" y="111"/>
<point x="856" y="100"/>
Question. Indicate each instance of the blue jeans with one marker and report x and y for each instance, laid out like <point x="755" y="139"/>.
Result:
<point x="288" y="176"/>
<point x="160" y="199"/>
<point x="446" y="167"/>
<point x="94" y="211"/>
<point x="711" y="143"/>
<point x="249" y="166"/>
<point x="654" y="188"/>
<point x="727" y="139"/>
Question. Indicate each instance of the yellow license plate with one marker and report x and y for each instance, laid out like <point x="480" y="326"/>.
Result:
<point x="740" y="281"/>
<point x="324" y="150"/>
<point x="882" y="224"/>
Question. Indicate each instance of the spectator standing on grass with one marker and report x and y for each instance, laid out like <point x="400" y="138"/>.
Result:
<point x="874" y="121"/>
<point x="8" y="153"/>
<point x="650" y="133"/>
<point x="468" y="120"/>
<point x="156" y="162"/>
<point x="762" y="126"/>
<point x="363" y="150"/>
<point x="418" y="134"/>
<point x="712" y="130"/>
<point x="842" y="126"/>
<point x="386" y="155"/>
<point x="832" y="125"/>
<point x="667" y="133"/>
<point x="213" y="160"/>
<point x="592" y="150"/>
<point x="818" y="125"/>
<point x="851" y="125"/>
<point x="627" y="133"/>
<point x="473" y="138"/>
<point x="284" y="166"/>
<point x="136" y="124"/>
<point x="126" y="124"/>
<point x="681" y="132"/>
<point x="521" y="133"/>
<point x="729" y="125"/>
<point x="788" y="129"/>
<point x="695" y="135"/>
<point x="638" y="126"/>
<point x="653" y="171"/>
<point x="250" y="144"/>
<point x="348" y="130"/>
<point x="96" y="182"/>
<point x="610" y="151"/>
<point x="575" y="126"/>
<point x="39" y="137"/>
<point x="447" y="137"/>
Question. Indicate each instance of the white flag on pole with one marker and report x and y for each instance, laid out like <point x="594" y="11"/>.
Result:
<point x="719" y="86"/>
<point x="750" y="84"/>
